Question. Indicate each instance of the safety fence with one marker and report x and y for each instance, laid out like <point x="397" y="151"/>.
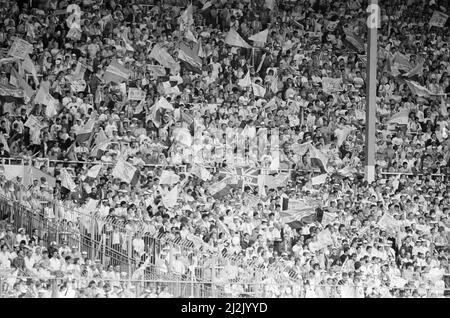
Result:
<point x="14" y="286"/>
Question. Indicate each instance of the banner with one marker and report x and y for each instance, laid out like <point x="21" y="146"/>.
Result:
<point x="135" y="94"/>
<point x="318" y="180"/>
<point x="74" y="34"/>
<point x="20" y="48"/>
<point x="168" y="177"/>
<point x="78" y="85"/>
<point x="156" y="70"/>
<point x="11" y="91"/>
<point x="115" y="72"/>
<point x="234" y="39"/>
<point x="124" y="171"/>
<point x="438" y="19"/>
<point x="331" y="85"/>
<point x="400" y="118"/>
<point x="33" y="123"/>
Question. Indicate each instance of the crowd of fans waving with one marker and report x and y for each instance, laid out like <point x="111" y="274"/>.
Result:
<point x="307" y="43"/>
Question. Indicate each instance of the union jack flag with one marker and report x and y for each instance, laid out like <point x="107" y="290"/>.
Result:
<point x="242" y="176"/>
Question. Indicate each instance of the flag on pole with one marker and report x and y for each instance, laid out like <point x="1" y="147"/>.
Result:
<point x="190" y="36"/>
<point x="101" y="143"/>
<point x="234" y="39"/>
<point x="43" y="97"/>
<point x="260" y="36"/>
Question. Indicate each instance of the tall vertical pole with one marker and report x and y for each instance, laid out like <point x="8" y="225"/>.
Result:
<point x="373" y="22"/>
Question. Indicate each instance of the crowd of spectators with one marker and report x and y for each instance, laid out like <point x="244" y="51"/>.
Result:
<point x="307" y="43"/>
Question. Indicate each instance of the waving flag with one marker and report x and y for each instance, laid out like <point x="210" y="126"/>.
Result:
<point x="101" y="143"/>
<point x="354" y="41"/>
<point x="438" y="19"/>
<point x="245" y="81"/>
<point x="296" y="212"/>
<point x="116" y="73"/>
<point x="190" y="57"/>
<point x="318" y="158"/>
<point x="186" y="19"/>
<point x="164" y="58"/>
<point x="168" y="177"/>
<point x="21" y="83"/>
<point x="86" y="132"/>
<point x="124" y="171"/>
<point x="94" y="171"/>
<point x="4" y="142"/>
<point x="260" y="36"/>
<point x="66" y="180"/>
<point x="258" y="90"/>
<point x="170" y="199"/>
<point x="234" y="39"/>
<point x="320" y="179"/>
<point x="417" y="89"/>
<point x="400" y="118"/>
<point x="43" y="97"/>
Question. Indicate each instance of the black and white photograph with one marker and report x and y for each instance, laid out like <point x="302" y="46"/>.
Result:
<point x="238" y="150"/>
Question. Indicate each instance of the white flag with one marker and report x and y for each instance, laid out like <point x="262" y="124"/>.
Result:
<point x="170" y="199"/>
<point x="260" y="36"/>
<point x="245" y="81"/>
<point x="168" y="177"/>
<point x="94" y="171"/>
<point x="66" y="180"/>
<point x="124" y="171"/>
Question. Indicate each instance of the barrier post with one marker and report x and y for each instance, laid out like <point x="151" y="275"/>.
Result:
<point x="103" y="258"/>
<point x="1" y="287"/>
<point x="130" y="255"/>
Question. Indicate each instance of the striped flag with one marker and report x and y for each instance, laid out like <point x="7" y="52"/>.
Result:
<point x="219" y="189"/>
<point x="354" y="41"/>
<point x="318" y="158"/>
<point x="101" y="143"/>
<point x="189" y="56"/>
<point x="164" y="58"/>
<point x="86" y="132"/>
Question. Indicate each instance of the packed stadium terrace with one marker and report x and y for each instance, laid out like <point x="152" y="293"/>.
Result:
<point x="217" y="148"/>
